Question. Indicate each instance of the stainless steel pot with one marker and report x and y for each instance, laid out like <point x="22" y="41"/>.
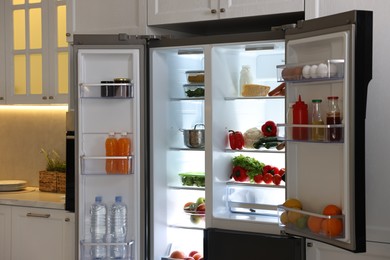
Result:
<point x="194" y="138"/>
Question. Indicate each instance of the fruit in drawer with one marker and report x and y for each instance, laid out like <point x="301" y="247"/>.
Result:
<point x="293" y="203"/>
<point x="331" y="210"/>
<point x="201" y="208"/>
<point x="177" y="254"/>
<point x="332" y="227"/>
<point x="314" y="224"/>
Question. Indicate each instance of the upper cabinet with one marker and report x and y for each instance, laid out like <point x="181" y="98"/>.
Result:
<point x="178" y="11"/>
<point x="106" y="17"/>
<point x="36" y="52"/>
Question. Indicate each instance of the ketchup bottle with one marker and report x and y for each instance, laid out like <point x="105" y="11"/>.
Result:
<point x="300" y="117"/>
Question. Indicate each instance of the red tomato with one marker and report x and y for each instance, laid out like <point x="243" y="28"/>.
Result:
<point x="277" y="179"/>
<point x="267" y="178"/>
<point x="258" y="178"/>
<point x="282" y="171"/>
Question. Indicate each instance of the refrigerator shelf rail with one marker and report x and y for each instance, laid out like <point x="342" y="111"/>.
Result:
<point x="107" y="90"/>
<point x="254" y="98"/>
<point x="95" y="165"/>
<point x="253" y="208"/>
<point x="87" y="246"/>
<point x="250" y="185"/>
<point x="311" y="72"/>
<point x="188" y="99"/>
<point x="311" y="224"/>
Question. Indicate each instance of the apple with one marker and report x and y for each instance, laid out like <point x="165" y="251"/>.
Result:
<point x="200" y="200"/>
<point x="201" y="208"/>
<point x="197" y="256"/>
<point x="177" y="254"/>
<point x="195" y="220"/>
<point x="192" y="253"/>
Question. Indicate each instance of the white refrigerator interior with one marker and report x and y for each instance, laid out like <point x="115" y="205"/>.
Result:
<point x="236" y="205"/>
<point x="173" y="112"/>
<point x="98" y="115"/>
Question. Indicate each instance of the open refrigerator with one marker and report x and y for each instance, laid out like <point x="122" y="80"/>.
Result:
<point x="184" y="85"/>
<point x="318" y="173"/>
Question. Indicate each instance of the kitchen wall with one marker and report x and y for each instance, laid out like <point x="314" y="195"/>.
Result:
<point x="24" y="130"/>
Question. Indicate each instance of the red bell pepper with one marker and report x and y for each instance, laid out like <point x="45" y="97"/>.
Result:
<point x="236" y="140"/>
<point x="239" y="174"/>
<point x="269" y="128"/>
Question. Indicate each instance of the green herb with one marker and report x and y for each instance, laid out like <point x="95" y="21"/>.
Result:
<point x="198" y="92"/>
<point x="53" y="161"/>
<point x="250" y="164"/>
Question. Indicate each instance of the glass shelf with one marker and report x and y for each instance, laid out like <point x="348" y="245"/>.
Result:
<point x="99" y="90"/>
<point x="254" y="98"/>
<point x="95" y="165"/>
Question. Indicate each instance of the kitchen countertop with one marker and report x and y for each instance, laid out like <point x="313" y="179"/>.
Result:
<point x="32" y="197"/>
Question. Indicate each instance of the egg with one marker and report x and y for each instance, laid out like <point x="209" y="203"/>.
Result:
<point x="313" y="71"/>
<point x="306" y="71"/>
<point x="322" y="70"/>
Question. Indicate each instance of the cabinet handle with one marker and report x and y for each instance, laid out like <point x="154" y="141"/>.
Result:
<point x="68" y="34"/>
<point x="222" y="10"/>
<point x="67" y="219"/>
<point x="37" y="215"/>
<point x="1" y="98"/>
<point x="213" y="11"/>
<point x="44" y="97"/>
<point x="51" y="97"/>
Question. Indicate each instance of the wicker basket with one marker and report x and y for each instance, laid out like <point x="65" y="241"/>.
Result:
<point x="52" y="181"/>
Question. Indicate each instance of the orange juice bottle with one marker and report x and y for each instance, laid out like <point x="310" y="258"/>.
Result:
<point x="111" y="150"/>
<point x="124" y="148"/>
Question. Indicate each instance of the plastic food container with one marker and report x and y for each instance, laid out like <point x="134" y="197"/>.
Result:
<point x="195" y="76"/>
<point x="194" y="90"/>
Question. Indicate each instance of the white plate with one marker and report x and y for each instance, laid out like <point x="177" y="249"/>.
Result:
<point x="12" y="185"/>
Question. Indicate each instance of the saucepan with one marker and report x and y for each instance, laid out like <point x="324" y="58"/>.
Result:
<point x="194" y="138"/>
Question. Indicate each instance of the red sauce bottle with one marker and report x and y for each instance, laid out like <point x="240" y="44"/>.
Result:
<point x="300" y="116"/>
<point x="333" y="117"/>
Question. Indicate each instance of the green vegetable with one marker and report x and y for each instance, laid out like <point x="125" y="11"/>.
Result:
<point x="198" y="92"/>
<point x="250" y="164"/>
<point x="270" y="144"/>
<point x="193" y="179"/>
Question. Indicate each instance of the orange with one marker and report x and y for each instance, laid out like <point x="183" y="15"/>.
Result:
<point x="331" y="210"/>
<point x="314" y="224"/>
<point x="293" y="216"/>
<point x="332" y="227"/>
<point x="284" y="218"/>
<point x="197" y="256"/>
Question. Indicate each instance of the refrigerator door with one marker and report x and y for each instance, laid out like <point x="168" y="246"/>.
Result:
<point x="101" y="108"/>
<point x="330" y="171"/>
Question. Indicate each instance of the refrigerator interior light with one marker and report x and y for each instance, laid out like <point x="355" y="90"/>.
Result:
<point x="189" y="51"/>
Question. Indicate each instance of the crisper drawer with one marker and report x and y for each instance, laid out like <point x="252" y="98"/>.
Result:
<point x="88" y="249"/>
<point x="254" y="198"/>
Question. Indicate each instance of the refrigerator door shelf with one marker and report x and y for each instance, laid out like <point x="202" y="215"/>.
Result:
<point x="87" y="246"/>
<point x="312" y="71"/>
<point x="95" y="165"/>
<point x="313" y="225"/>
<point x="107" y="90"/>
<point x="309" y="128"/>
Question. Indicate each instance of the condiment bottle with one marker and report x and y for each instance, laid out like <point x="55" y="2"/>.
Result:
<point x="111" y="145"/>
<point x="300" y="116"/>
<point x="289" y="121"/>
<point x="124" y="148"/>
<point x="317" y="133"/>
<point x="245" y="77"/>
<point x="333" y="117"/>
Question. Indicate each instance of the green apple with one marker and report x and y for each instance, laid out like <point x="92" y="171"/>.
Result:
<point x="200" y="200"/>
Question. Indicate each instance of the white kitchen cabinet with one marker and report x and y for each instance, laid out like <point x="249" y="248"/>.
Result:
<point x="5" y="232"/>
<point x="42" y="234"/>
<point x="178" y="11"/>
<point x="319" y="251"/>
<point x="377" y="123"/>
<point x="106" y="17"/>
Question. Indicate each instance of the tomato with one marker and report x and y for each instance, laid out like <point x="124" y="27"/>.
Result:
<point x="258" y="178"/>
<point x="239" y="174"/>
<point x="277" y="179"/>
<point x="267" y="177"/>
<point x="282" y="171"/>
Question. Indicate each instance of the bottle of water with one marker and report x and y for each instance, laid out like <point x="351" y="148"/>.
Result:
<point x="98" y="228"/>
<point x="118" y="228"/>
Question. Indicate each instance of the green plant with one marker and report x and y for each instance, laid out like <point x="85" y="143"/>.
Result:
<point x="53" y="161"/>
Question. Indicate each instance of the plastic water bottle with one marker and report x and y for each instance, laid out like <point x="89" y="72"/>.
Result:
<point x="118" y="228"/>
<point x="98" y="228"/>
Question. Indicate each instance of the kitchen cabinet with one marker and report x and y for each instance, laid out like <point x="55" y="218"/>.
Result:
<point x="35" y="59"/>
<point x="5" y="232"/>
<point x="319" y="251"/>
<point x="106" y="17"/>
<point x="2" y="54"/>
<point x="177" y="11"/>
<point x="42" y="234"/>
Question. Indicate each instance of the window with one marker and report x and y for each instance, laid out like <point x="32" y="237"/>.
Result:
<point x="37" y="50"/>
